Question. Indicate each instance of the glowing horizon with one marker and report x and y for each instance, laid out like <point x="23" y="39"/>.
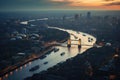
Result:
<point x="59" y="4"/>
<point x="92" y="4"/>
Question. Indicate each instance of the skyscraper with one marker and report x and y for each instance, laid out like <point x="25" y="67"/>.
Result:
<point x="88" y="15"/>
<point x="64" y="17"/>
<point x="76" y="16"/>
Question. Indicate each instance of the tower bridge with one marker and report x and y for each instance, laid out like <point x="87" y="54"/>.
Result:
<point x="69" y="43"/>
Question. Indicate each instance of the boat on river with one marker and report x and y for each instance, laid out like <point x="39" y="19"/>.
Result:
<point x="56" y="49"/>
<point x="42" y="57"/>
<point x="45" y="62"/>
<point x="63" y="53"/>
<point x="84" y="35"/>
<point x="34" y="68"/>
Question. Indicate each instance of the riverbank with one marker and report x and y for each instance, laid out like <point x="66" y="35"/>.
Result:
<point x="80" y="67"/>
<point x="9" y="70"/>
<point x="6" y="71"/>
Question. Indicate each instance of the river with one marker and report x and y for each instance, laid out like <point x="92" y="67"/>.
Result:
<point x="54" y="57"/>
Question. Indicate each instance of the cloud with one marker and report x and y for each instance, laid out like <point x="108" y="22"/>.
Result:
<point x="113" y="3"/>
<point x="108" y="0"/>
<point x="61" y="2"/>
<point x="25" y="4"/>
<point x="54" y="4"/>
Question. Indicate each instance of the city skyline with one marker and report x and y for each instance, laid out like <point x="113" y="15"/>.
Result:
<point x="12" y="5"/>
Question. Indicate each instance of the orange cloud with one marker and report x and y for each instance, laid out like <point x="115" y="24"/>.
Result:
<point x="113" y="3"/>
<point x="93" y="4"/>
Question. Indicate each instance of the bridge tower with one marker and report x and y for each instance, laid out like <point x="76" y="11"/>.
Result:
<point x="79" y="43"/>
<point x="69" y="43"/>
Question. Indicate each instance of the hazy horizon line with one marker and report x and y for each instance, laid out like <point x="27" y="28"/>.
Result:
<point x="58" y="10"/>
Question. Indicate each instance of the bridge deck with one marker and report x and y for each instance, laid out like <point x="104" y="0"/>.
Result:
<point x="74" y="40"/>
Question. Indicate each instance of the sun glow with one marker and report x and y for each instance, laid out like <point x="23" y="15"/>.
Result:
<point x="95" y="4"/>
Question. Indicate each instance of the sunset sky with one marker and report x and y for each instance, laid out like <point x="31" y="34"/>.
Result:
<point x="59" y="4"/>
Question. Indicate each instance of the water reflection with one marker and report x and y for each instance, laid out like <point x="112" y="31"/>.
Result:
<point x="79" y="50"/>
<point x="69" y="49"/>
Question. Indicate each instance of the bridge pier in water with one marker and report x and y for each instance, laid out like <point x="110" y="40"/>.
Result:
<point x="79" y="43"/>
<point x="69" y="43"/>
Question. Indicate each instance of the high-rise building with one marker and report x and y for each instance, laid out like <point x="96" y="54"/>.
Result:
<point x="64" y="17"/>
<point x="80" y="15"/>
<point x="88" y="15"/>
<point x="76" y="16"/>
